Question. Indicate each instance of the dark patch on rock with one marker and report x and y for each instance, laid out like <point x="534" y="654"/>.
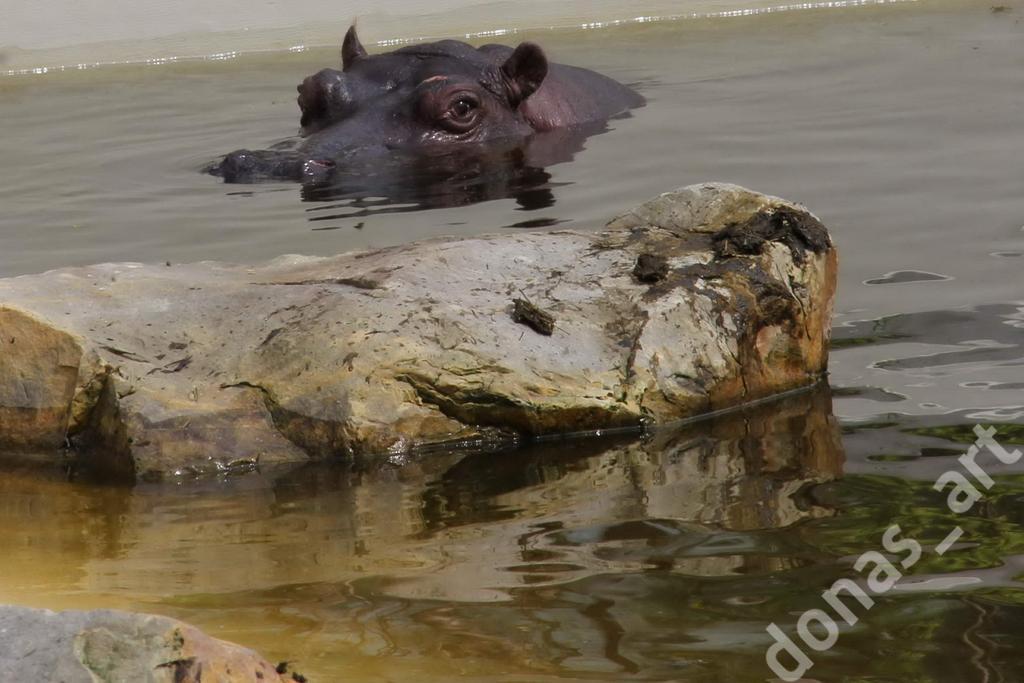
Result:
<point x="650" y="268"/>
<point x="357" y="282"/>
<point x="526" y="313"/>
<point x="513" y="416"/>
<point x="186" y="670"/>
<point x="124" y="354"/>
<point x="768" y="301"/>
<point x="320" y="438"/>
<point x="778" y="305"/>
<point x="798" y="230"/>
<point x="681" y="278"/>
<point x="173" y="366"/>
<point x="273" y="333"/>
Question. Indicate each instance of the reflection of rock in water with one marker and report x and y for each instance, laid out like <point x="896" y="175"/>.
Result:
<point x="546" y="558"/>
<point x="699" y="500"/>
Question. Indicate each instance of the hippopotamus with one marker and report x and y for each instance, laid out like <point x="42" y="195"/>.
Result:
<point x="442" y="109"/>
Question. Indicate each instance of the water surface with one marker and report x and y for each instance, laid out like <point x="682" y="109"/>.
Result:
<point x="652" y="560"/>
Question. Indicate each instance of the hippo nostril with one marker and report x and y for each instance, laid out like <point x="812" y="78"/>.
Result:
<point x="317" y="170"/>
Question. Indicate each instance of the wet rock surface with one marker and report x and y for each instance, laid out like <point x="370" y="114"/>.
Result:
<point x="153" y="370"/>
<point x="110" y="647"/>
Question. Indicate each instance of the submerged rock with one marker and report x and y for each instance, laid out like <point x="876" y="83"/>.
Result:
<point x="214" y="367"/>
<point x="111" y="646"/>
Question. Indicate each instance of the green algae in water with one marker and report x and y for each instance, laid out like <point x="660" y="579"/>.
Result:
<point x="1006" y="433"/>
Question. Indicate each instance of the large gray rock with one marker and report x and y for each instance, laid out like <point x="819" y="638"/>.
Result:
<point x="105" y="646"/>
<point x="203" y="367"/>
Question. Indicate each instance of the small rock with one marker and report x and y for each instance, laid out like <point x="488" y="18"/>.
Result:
<point x="525" y="313"/>
<point x="108" y="645"/>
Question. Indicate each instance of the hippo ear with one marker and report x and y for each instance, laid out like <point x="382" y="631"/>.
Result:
<point x="524" y="71"/>
<point x="351" y="48"/>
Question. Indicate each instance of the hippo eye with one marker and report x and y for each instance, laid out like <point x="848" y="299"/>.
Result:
<point x="462" y="112"/>
<point x="462" y="108"/>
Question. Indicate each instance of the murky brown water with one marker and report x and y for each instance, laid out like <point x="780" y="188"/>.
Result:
<point x="520" y="566"/>
<point x="657" y="560"/>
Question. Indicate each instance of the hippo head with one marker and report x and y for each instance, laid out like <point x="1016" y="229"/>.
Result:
<point x="418" y="97"/>
<point x="436" y="119"/>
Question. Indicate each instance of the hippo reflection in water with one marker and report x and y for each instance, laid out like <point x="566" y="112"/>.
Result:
<point x="438" y="124"/>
